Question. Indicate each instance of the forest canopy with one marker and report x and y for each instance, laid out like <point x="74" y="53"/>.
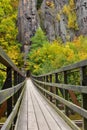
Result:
<point x="51" y="56"/>
<point x="9" y="30"/>
<point x="8" y="33"/>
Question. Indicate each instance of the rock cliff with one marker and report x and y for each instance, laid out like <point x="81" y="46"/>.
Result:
<point x="64" y="18"/>
<point x="58" y="18"/>
<point x="27" y="21"/>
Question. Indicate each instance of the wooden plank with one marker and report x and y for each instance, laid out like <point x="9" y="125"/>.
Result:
<point x="48" y="117"/>
<point x="52" y="120"/>
<point x="61" y="123"/>
<point x="26" y="117"/>
<point x="64" y="117"/>
<point x="11" y="117"/>
<point x="9" y="85"/>
<point x="78" y="88"/>
<point x="61" y="115"/>
<point x="7" y="93"/>
<point x="41" y="122"/>
<point x="32" y="122"/>
<point x="83" y="77"/>
<point x="74" y="107"/>
<point x="36" y="114"/>
<point x="68" y="87"/>
<point x="22" y="115"/>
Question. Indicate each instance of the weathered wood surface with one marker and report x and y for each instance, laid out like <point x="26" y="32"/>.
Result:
<point x="10" y="119"/>
<point x="7" y="93"/>
<point x="5" y="60"/>
<point x="37" y="114"/>
<point x="72" y="106"/>
<point x="78" y="88"/>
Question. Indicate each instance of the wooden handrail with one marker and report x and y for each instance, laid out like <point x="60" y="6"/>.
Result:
<point x="11" y="117"/>
<point x="72" y="106"/>
<point x="6" y="61"/>
<point x="12" y="88"/>
<point x="78" y="88"/>
<point x="7" y="93"/>
<point x="58" y="81"/>
<point x="66" y="68"/>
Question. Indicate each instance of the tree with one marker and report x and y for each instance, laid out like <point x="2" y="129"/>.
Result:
<point x="38" y="40"/>
<point x="9" y="30"/>
<point x="56" y="55"/>
<point x="8" y="33"/>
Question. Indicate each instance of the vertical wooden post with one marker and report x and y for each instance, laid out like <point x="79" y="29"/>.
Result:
<point x="54" y="91"/>
<point x="18" y="78"/>
<point x="51" y="87"/>
<point x="15" y="83"/>
<point x="16" y="94"/>
<point x="46" y="85"/>
<point x="9" y="84"/>
<point x="65" y="93"/>
<point x="43" y="84"/>
<point x="56" y="81"/>
<point x="83" y="79"/>
<point x="15" y="78"/>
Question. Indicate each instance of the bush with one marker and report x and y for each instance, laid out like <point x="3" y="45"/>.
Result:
<point x="55" y="55"/>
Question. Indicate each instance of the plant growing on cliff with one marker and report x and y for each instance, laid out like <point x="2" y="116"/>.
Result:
<point x="69" y="11"/>
<point x="50" y="4"/>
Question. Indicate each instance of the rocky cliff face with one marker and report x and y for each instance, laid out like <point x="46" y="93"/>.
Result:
<point x="58" y="18"/>
<point x="59" y="22"/>
<point x="81" y="9"/>
<point x="27" y="20"/>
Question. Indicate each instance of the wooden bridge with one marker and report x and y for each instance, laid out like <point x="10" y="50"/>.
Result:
<point x="45" y="102"/>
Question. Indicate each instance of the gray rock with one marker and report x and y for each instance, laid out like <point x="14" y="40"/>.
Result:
<point x="29" y="20"/>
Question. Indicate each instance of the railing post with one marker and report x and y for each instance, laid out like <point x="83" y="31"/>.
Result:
<point x="9" y="85"/>
<point x="16" y="94"/>
<point x="56" y="81"/>
<point x="18" y="78"/>
<point x="65" y="93"/>
<point x="15" y="83"/>
<point x="46" y="85"/>
<point x="51" y="87"/>
<point x="83" y="79"/>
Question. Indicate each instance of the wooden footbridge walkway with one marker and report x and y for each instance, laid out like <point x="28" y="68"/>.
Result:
<point x="45" y="102"/>
<point x="36" y="114"/>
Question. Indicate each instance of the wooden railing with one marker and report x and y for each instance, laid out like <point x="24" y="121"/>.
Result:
<point x="66" y="89"/>
<point x="12" y="91"/>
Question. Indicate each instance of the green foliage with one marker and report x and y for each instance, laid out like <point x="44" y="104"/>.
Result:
<point x="70" y="12"/>
<point x="55" y="55"/>
<point x="38" y="40"/>
<point x="8" y="32"/>
<point x="2" y="75"/>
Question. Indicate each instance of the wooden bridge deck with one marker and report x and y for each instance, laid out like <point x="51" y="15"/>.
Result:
<point x="36" y="114"/>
